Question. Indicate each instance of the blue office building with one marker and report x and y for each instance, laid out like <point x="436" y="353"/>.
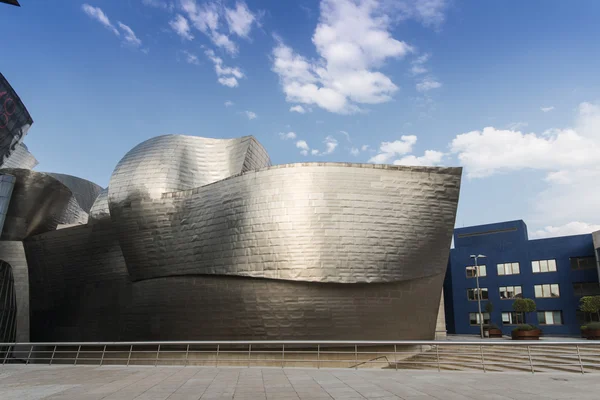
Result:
<point x="554" y="272"/>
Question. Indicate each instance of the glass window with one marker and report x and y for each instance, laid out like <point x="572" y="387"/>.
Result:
<point x="471" y="271"/>
<point x="550" y="317"/>
<point x="472" y="294"/>
<point x="583" y="262"/>
<point x="508" y="269"/>
<point x="512" y="318"/>
<point x="510" y="292"/>
<point x="546" y="290"/>
<point x="586" y="288"/>
<point x="543" y="266"/>
<point x="474" y="318"/>
<point x="585" y="317"/>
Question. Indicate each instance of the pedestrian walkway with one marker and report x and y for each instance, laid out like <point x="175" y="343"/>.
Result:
<point x="31" y="382"/>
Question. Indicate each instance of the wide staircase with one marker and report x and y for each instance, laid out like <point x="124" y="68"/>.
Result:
<point x="490" y="358"/>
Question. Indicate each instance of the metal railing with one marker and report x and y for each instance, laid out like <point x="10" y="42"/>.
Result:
<point x="529" y="356"/>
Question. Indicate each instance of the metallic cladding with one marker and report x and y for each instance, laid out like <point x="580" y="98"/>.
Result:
<point x="320" y="222"/>
<point x="85" y="192"/>
<point x="20" y="158"/>
<point x="100" y="209"/>
<point x="15" y="120"/>
<point x="83" y="293"/>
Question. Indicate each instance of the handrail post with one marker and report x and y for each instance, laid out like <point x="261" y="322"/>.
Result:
<point x="482" y="360"/>
<point x="355" y="356"/>
<point x="530" y="359"/>
<point x="437" y="355"/>
<point x="29" y="356"/>
<point x="52" y="356"/>
<point x="218" y="348"/>
<point x="129" y="355"/>
<point x="157" y="355"/>
<point x="102" y="358"/>
<point x="283" y="356"/>
<point x="6" y="354"/>
<point x="579" y="356"/>
<point x="77" y="355"/>
<point x="249" y="351"/>
<point x="395" y="358"/>
<point x="318" y="356"/>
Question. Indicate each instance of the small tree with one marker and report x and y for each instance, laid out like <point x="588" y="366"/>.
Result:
<point x="489" y="307"/>
<point x="524" y="306"/>
<point x="590" y="304"/>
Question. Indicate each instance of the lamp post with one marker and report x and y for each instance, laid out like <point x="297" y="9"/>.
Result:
<point x="475" y="257"/>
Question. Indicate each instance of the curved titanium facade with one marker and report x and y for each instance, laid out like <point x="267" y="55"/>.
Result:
<point x="15" y="120"/>
<point x="8" y="304"/>
<point x="39" y="203"/>
<point x="203" y="239"/>
<point x="20" y="158"/>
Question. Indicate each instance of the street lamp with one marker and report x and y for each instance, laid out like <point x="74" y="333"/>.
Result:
<point x="475" y="257"/>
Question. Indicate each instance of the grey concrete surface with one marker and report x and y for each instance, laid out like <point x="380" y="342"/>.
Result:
<point x="31" y="382"/>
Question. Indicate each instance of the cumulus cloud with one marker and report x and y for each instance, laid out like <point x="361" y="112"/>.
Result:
<point x="303" y="146"/>
<point x="181" y="26"/>
<point x="354" y="151"/>
<point x="418" y="66"/>
<point x="299" y="109"/>
<point x="228" y="103"/>
<point x="227" y="76"/>
<point x="330" y="145"/>
<point x="430" y="158"/>
<point x="389" y="150"/>
<point x="352" y="40"/>
<point x="286" y="136"/>
<point x="570" y="228"/>
<point x="547" y="109"/>
<point x="251" y="115"/>
<point x="97" y="14"/>
<point x="364" y="147"/>
<point x="428" y="84"/>
<point x="240" y="19"/>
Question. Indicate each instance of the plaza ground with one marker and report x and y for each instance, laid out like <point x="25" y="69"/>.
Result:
<point x="29" y="382"/>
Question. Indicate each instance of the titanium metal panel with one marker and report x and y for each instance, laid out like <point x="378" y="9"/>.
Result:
<point x="85" y="192"/>
<point x="319" y="222"/>
<point x="99" y="210"/>
<point x="7" y="184"/>
<point x="13" y="253"/>
<point x="15" y="120"/>
<point x="20" y="158"/>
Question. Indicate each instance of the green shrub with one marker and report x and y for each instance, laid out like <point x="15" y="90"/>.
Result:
<point x="526" y="327"/>
<point x="524" y="305"/>
<point x="583" y="327"/>
<point x="592" y="325"/>
<point x="590" y="304"/>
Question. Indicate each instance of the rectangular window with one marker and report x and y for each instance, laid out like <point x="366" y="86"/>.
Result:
<point x="583" y="262"/>
<point x="543" y="266"/>
<point x="509" y="269"/>
<point x="586" y="288"/>
<point x="585" y="317"/>
<point x="472" y="294"/>
<point x="474" y="318"/>
<point x="550" y="317"/>
<point x="546" y="290"/>
<point x="512" y="318"/>
<point x="471" y="271"/>
<point x="510" y="292"/>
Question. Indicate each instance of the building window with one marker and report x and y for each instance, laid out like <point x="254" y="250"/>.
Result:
<point x="510" y="292"/>
<point x="586" y="317"/>
<point x="583" y="262"/>
<point x="508" y="269"/>
<point x="549" y="317"/>
<point x="472" y="294"/>
<point x="548" y="290"/>
<point x="512" y="318"/>
<point x="586" y="288"/>
<point x="471" y="272"/>
<point x="543" y="266"/>
<point x="474" y="318"/>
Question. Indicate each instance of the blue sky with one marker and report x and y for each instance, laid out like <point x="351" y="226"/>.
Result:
<point x="509" y="90"/>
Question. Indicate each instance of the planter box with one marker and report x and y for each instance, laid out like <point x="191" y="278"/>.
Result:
<point x="495" y="333"/>
<point x="526" y="335"/>
<point x="591" y="334"/>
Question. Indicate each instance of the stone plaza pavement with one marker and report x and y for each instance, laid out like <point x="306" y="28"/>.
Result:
<point x="30" y="382"/>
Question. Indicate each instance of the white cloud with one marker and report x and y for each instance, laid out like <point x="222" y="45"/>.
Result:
<point x="240" y="19"/>
<point x="97" y="14"/>
<point x="330" y="144"/>
<point x="352" y="39"/>
<point x="191" y="58"/>
<point x="303" y="146"/>
<point x="547" y="109"/>
<point x="167" y="5"/>
<point x="129" y="37"/>
<point x="228" y="103"/>
<point x="430" y="158"/>
<point x="428" y="84"/>
<point x="227" y="76"/>
<point x="314" y="152"/>
<point x="181" y="26"/>
<point x="429" y="12"/>
<point x="417" y="64"/>
<point x="286" y="136"/>
<point x="347" y="135"/>
<point x="515" y="126"/>
<point x="364" y="147"/>
<point x="354" y="151"/>
<point x="299" y="109"/>
<point x="389" y="150"/>
<point x="571" y="228"/>
<point x="251" y="115"/>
